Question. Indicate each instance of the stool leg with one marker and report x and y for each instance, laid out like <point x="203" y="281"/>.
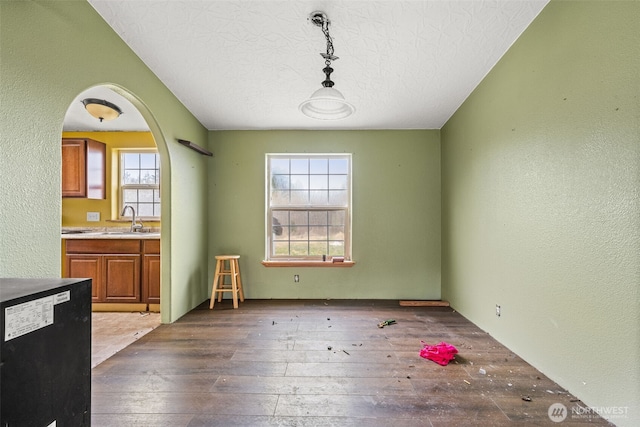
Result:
<point x="223" y="272"/>
<point x="214" y="286"/>
<point x="234" y="282"/>
<point x="239" y="279"/>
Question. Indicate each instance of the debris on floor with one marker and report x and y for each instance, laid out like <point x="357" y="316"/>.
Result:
<point x="441" y="353"/>
<point x="386" y="323"/>
<point x="526" y="398"/>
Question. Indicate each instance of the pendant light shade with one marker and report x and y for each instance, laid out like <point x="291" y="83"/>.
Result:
<point x="101" y="109"/>
<point x="327" y="103"/>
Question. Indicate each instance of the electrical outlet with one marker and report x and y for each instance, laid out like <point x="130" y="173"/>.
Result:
<point x="497" y="310"/>
<point x="296" y="278"/>
<point x="93" y="216"/>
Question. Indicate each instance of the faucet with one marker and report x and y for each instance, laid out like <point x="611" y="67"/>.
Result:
<point x="134" y="226"/>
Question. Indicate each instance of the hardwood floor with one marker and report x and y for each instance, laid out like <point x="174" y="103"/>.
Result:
<point x="321" y="363"/>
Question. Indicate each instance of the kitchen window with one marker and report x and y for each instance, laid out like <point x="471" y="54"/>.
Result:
<point x="140" y="184"/>
<point x="308" y="207"/>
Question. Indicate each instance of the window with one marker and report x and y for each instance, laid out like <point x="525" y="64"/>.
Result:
<point x="308" y="206"/>
<point x="140" y="183"/>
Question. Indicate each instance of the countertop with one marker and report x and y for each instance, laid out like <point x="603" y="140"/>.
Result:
<point x="74" y="234"/>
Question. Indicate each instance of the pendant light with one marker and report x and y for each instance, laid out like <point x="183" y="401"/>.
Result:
<point x="326" y="103"/>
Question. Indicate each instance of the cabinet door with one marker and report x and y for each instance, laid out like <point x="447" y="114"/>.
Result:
<point x="83" y="168"/>
<point x="96" y="169"/>
<point x="122" y="278"/>
<point x="74" y="171"/>
<point x="151" y="279"/>
<point x="88" y="266"/>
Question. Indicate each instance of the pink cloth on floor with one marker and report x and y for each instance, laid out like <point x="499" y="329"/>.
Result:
<point x="441" y="353"/>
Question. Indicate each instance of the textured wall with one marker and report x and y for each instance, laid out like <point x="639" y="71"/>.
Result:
<point x="541" y="213"/>
<point x="50" y="52"/>
<point x="396" y="212"/>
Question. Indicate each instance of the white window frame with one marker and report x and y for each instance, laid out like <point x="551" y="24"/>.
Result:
<point x="122" y="187"/>
<point x="271" y="206"/>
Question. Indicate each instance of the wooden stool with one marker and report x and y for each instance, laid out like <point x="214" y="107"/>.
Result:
<point x="233" y="271"/>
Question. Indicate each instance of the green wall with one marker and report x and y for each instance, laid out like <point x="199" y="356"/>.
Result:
<point x="49" y="53"/>
<point x="396" y="212"/>
<point x="541" y="214"/>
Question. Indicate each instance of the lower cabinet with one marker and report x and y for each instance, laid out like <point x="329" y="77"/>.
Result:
<point x="151" y="272"/>
<point x="122" y="278"/>
<point x="120" y="269"/>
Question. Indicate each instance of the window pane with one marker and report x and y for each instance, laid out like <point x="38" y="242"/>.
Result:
<point x="131" y="160"/>
<point x="130" y="196"/>
<point x="299" y="232"/>
<point x="279" y="166"/>
<point x="147" y="176"/>
<point x="299" y="248"/>
<point x="145" y="195"/>
<point x="131" y="176"/>
<point x="336" y="217"/>
<point x="299" y="217"/>
<point x="319" y="166"/>
<point x="156" y="195"/>
<point x="300" y="182"/>
<point x="338" y="182"/>
<point x="318" y="233"/>
<point x="319" y="197"/>
<point x="336" y="233"/>
<point x="281" y="217"/>
<point x="336" y="248"/>
<point x="318" y="182"/>
<point x="299" y="166"/>
<point x="318" y="217"/>
<point x="318" y="248"/>
<point x="338" y="197"/>
<point x="299" y="197"/>
<point x="145" y="209"/>
<point x="281" y="248"/>
<point x="339" y="166"/>
<point x="280" y="198"/>
<point x="156" y="209"/>
<point x="280" y="182"/>
<point x="148" y="161"/>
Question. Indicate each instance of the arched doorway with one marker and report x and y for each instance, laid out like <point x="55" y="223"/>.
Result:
<point x="134" y="133"/>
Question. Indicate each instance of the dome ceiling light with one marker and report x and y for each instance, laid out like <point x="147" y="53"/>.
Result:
<point x="326" y="103"/>
<point x="101" y="109"/>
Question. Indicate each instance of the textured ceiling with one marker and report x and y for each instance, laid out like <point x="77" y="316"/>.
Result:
<point x="248" y="64"/>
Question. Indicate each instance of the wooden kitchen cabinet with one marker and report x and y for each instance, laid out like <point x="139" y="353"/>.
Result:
<point x="151" y="272"/>
<point x="122" y="278"/>
<point x="114" y="266"/>
<point x="87" y="266"/>
<point x="83" y="168"/>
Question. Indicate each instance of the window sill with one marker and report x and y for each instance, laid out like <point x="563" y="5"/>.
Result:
<point x="290" y="263"/>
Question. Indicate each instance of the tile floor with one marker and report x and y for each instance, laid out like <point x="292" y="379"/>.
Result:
<point x="111" y="332"/>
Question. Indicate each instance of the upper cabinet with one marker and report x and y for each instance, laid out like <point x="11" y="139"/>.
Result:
<point x="83" y="168"/>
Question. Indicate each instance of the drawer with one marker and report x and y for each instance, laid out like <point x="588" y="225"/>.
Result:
<point x="103" y="246"/>
<point x="151" y="246"/>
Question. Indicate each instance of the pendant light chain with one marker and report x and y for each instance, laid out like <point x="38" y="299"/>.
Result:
<point x="329" y="56"/>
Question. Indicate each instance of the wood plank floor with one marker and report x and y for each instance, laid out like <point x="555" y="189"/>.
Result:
<point x="321" y="363"/>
